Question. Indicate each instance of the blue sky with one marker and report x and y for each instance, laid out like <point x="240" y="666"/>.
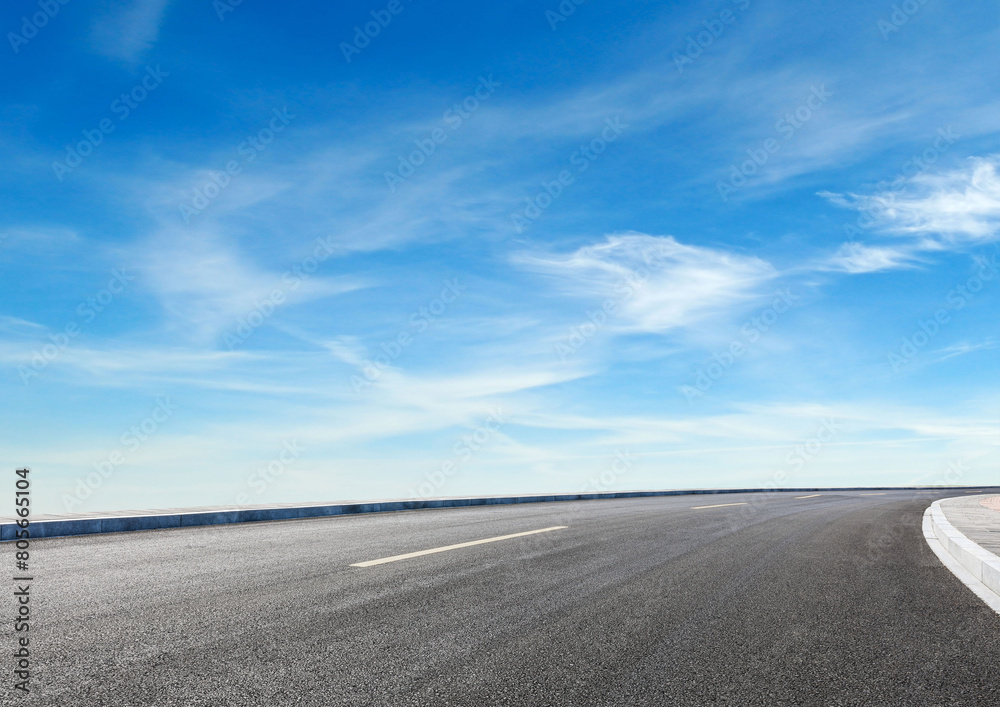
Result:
<point x="255" y="255"/>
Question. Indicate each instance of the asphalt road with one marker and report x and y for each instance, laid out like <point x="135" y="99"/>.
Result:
<point x="831" y="600"/>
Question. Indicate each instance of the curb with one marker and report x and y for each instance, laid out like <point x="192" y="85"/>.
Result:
<point x="121" y="524"/>
<point x="979" y="569"/>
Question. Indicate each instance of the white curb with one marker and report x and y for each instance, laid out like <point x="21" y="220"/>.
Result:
<point x="978" y="569"/>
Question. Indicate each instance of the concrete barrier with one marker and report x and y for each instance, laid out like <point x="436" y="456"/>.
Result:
<point x="199" y="517"/>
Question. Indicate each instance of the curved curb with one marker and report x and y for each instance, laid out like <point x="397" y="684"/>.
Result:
<point x="978" y="569"/>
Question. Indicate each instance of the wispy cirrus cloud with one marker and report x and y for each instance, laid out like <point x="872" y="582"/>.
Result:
<point x="127" y="29"/>
<point x="939" y="210"/>
<point x="965" y="347"/>
<point x="683" y="305"/>
<point x="661" y="283"/>
<point x="205" y="283"/>
<point x="857" y="258"/>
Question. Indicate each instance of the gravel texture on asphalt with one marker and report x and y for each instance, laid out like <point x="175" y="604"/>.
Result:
<point x="833" y="600"/>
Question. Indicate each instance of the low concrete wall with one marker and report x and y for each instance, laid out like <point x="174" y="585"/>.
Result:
<point x="983" y="564"/>
<point x="119" y="524"/>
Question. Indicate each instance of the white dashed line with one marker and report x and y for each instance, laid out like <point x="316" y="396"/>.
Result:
<point x="420" y="553"/>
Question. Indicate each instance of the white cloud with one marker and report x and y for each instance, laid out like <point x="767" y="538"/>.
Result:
<point x="857" y="258"/>
<point x="128" y="28"/>
<point x="657" y="282"/>
<point x="207" y="285"/>
<point x="965" y="347"/>
<point x="16" y="324"/>
<point x="939" y="209"/>
<point x="347" y="349"/>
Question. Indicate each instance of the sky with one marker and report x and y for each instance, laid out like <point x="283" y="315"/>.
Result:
<point x="257" y="253"/>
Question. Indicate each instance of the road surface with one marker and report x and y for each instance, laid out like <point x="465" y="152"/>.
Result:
<point x="831" y="599"/>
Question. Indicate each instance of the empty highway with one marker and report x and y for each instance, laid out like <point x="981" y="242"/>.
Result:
<point x="774" y="599"/>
